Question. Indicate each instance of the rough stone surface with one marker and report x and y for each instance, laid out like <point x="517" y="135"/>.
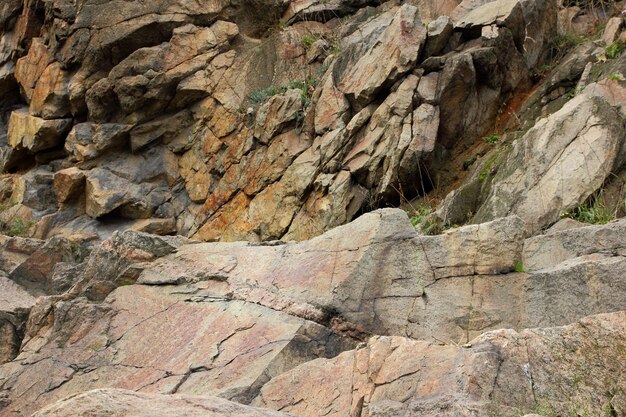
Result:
<point x="14" y="306"/>
<point x="572" y="153"/>
<point x="273" y="134"/>
<point x="557" y="246"/>
<point x="612" y="29"/>
<point x="284" y="125"/>
<point x="35" y="134"/>
<point x="226" y="348"/>
<point x="516" y="371"/>
<point x="124" y="403"/>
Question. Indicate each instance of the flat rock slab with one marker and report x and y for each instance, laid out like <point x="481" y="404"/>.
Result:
<point x="160" y="340"/>
<point x="499" y="373"/>
<point x="123" y="403"/>
<point x="549" y="250"/>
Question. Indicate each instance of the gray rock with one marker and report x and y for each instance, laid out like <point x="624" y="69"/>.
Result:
<point x="557" y="164"/>
<point x="15" y="303"/>
<point x="87" y="141"/>
<point x="439" y="32"/>
<point x="557" y="246"/>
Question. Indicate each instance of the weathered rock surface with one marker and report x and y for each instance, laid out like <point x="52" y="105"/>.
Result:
<point x="115" y="402"/>
<point x="279" y="136"/>
<point x="579" y="147"/>
<point x="555" y="247"/>
<point x="377" y="275"/>
<point x="554" y="167"/>
<point x="556" y="370"/>
<point x="284" y="125"/>
<point x="135" y="341"/>
<point x="252" y="312"/>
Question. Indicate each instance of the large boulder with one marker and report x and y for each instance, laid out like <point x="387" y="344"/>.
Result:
<point x="557" y="164"/>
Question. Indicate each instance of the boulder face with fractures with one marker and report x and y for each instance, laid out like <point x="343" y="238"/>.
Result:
<point x="168" y="315"/>
<point x="499" y="373"/>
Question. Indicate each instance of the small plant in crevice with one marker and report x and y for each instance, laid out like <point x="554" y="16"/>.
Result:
<point x="593" y="211"/>
<point x="306" y="88"/>
<point x="492" y="139"/>
<point x="7" y="205"/>
<point x="419" y="213"/>
<point x="519" y="267"/>
<point x="309" y="40"/>
<point x="18" y="227"/>
<point x="615" y="49"/>
<point x="421" y="218"/>
<point x="616" y="76"/>
<point x="469" y="162"/>
<point x="562" y="44"/>
<point x="263" y="94"/>
<point x="490" y="169"/>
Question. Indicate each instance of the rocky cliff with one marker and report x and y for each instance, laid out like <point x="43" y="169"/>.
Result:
<point x="358" y="208"/>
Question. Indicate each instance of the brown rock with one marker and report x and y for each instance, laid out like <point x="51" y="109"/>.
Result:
<point x="15" y="303"/>
<point x="332" y="107"/>
<point x="36" y="134"/>
<point x="439" y="32"/>
<point x="29" y="69"/>
<point x="395" y="52"/>
<point x="612" y="29"/>
<point x="69" y="183"/>
<point x="50" y="98"/>
<point x="276" y="113"/>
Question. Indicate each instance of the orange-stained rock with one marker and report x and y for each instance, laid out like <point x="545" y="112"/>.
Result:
<point x="36" y="134"/>
<point x="30" y="68"/>
<point x="51" y="97"/>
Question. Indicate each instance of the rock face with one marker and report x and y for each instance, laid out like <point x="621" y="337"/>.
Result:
<point x="226" y="348"/>
<point x="279" y="136"/>
<point x="14" y="306"/>
<point x="196" y="208"/>
<point x="168" y="315"/>
<point x="580" y="145"/>
<point x="501" y="372"/>
<point x="107" y="402"/>
<point x="562" y="160"/>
